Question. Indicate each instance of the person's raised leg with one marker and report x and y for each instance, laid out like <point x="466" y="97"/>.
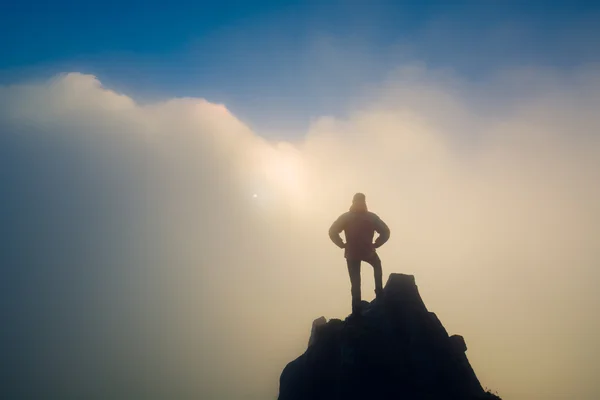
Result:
<point x="375" y="262"/>
<point x="354" y="272"/>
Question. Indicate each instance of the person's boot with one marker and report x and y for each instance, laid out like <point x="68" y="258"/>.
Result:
<point x="356" y="308"/>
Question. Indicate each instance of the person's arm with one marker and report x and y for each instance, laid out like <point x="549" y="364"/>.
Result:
<point x="334" y="232"/>
<point x="383" y="230"/>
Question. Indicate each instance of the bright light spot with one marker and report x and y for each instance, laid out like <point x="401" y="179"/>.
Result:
<point x="279" y="178"/>
<point x="284" y="167"/>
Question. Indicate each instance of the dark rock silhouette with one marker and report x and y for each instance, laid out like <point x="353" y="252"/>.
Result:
<point x="396" y="349"/>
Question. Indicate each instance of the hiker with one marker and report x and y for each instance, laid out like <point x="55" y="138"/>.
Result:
<point x="359" y="226"/>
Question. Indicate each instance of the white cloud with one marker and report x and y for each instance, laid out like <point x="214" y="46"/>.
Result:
<point x="139" y="253"/>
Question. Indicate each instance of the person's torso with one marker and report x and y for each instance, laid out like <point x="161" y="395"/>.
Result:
<point x="359" y="230"/>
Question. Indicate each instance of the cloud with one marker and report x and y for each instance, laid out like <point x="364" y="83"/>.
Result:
<point x="140" y="262"/>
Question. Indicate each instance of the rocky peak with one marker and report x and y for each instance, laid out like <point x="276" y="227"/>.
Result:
<point x="395" y="349"/>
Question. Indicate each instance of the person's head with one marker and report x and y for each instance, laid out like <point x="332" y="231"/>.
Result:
<point x="359" y="202"/>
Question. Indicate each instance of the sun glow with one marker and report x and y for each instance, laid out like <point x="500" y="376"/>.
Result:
<point x="285" y="172"/>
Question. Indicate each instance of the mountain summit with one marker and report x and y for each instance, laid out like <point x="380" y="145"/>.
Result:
<point x="395" y="349"/>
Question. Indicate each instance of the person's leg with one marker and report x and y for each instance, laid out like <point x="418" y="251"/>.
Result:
<point x="354" y="272"/>
<point x="375" y="262"/>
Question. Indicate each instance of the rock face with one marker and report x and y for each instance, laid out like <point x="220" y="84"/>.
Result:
<point x="396" y="349"/>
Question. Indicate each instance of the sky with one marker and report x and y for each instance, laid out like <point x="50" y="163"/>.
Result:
<point x="169" y="173"/>
<point x="276" y="64"/>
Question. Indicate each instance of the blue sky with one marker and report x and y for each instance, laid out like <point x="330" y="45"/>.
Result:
<point x="276" y="64"/>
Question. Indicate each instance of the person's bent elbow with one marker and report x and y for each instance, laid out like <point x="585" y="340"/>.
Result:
<point x="383" y="237"/>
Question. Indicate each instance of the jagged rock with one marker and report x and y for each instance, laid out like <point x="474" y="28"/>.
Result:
<point x="313" y="332"/>
<point x="396" y="349"/>
<point x="459" y="344"/>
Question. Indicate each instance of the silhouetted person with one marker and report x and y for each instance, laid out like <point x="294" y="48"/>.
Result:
<point x="359" y="226"/>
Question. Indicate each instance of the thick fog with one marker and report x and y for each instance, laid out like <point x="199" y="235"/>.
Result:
<point x="168" y="251"/>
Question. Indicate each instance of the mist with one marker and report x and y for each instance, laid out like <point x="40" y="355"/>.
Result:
<point x="166" y="250"/>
